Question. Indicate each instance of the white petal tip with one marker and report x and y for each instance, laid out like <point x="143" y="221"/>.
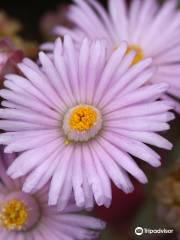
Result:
<point x="108" y="202"/>
<point x="58" y="42"/>
<point x="15" y="176"/>
<point x="130" y="189"/>
<point x="20" y="65"/>
<point x="85" y="41"/>
<point x="168" y="146"/>
<point x="41" y="54"/>
<point x="26" y="189"/>
<point x="100" y="200"/>
<point x="171" y="117"/>
<point x="166" y="127"/>
<point x="144" y="180"/>
<point x="80" y="204"/>
<point x="156" y="164"/>
<point x="67" y="37"/>
<point x="52" y="201"/>
<point x="10" y="171"/>
<point x="8" y="150"/>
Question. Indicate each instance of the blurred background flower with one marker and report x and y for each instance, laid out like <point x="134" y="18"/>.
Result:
<point x="52" y="18"/>
<point x="9" y="57"/>
<point x="9" y="27"/>
<point x="28" y="216"/>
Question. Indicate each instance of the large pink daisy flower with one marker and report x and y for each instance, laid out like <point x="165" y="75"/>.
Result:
<point x="150" y="30"/>
<point x="78" y="120"/>
<point x="27" y="216"/>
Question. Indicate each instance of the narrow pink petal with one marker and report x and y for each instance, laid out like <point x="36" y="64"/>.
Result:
<point x="134" y="148"/>
<point x="92" y="176"/>
<point x="118" y="87"/>
<point x="77" y="180"/>
<point x="53" y="76"/>
<point x="40" y="176"/>
<point x="109" y="71"/>
<point x="105" y="181"/>
<point x="118" y="14"/>
<point x="124" y="160"/>
<point x="59" y="175"/>
<point x="27" y="102"/>
<point x="138" y="96"/>
<point x="142" y="109"/>
<point x="32" y="158"/>
<point x="146" y="137"/>
<point x="115" y="172"/>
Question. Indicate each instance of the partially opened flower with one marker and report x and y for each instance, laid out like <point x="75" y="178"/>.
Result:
<point x="78" y="119"/>
<point x="28" y="216"/>
<point x="150" y="30"/>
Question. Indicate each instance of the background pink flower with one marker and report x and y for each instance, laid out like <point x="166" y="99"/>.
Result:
<point x="150" y="29"/>
<point x="27" y="216"/>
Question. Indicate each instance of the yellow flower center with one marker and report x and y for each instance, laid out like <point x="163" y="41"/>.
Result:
<point x="81" y="123"/>
<point x="13" y="215"/>
<point x="82" y="118"/>
<point x="139" y="53"/>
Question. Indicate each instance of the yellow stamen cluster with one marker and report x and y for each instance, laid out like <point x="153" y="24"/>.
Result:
<point x="139" y="53"/>
<point x="13" y="215"/>
<point x="82" y="118"/>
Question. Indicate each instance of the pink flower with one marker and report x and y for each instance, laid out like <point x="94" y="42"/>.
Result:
<point x="27" y="216"/>
<point x="150" y="30"/>
<point x="79" y="119"/>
